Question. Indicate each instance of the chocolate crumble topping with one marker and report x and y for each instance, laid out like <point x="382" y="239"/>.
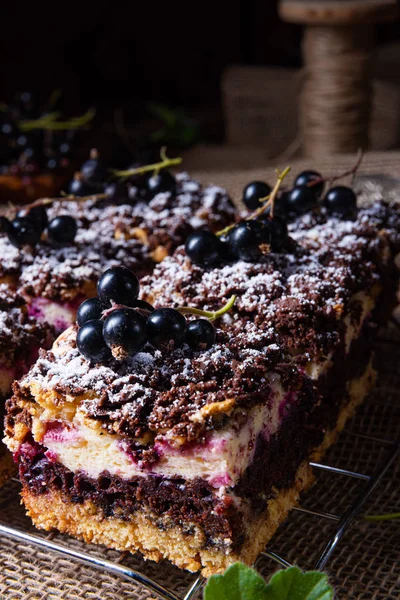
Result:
<point x="111" y="235"/>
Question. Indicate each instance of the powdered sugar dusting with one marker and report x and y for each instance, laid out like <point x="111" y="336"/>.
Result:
<point x="110" y="235"/>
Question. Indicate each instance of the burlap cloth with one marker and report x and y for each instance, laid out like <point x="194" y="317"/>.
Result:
<point x="365" y="563"/>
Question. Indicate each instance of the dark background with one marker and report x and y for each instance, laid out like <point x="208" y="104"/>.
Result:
<point x="126" y="54"/>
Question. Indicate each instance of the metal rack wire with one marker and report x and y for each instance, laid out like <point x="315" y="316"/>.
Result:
<point x="342" y="523"/>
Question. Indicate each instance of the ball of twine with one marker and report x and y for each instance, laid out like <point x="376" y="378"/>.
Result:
<point x="336" y="94"/>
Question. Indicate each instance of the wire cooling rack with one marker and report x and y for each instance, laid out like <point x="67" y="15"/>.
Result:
<point x="386" y="452"/>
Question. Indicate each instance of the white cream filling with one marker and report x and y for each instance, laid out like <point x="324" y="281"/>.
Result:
<point x="221" y="460"/>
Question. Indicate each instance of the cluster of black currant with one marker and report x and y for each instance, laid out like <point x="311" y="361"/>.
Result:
<point x="30" y="222"/>
<point x="118" y="324"/>
<point x="31" y="140"/>
<point x="148" y="180"/>
<point x="305" y="196"/>
<point x="247" y="240"/>
<point x="267" y="231"/>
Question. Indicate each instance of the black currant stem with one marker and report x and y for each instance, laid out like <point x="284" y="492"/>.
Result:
<point x="156" y="167"/>
<point x="352" y="171"/>
<point x="211" y="316"/>
<point x="48" y="201"/>
<point x="116" y="306"/>
<point x="387" y="517"/>
<point x="50" y="122"/>
<point x="270" y="202"/>
<point x="272" y="196"/>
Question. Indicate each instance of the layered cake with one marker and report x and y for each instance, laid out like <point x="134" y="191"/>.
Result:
<point x="50" y="270"/>
<point x="136" y="231"/>
<point x="191" y="442"/>
<point x="20" y="339"/>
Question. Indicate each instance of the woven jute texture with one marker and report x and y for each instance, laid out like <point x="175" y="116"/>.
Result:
<point x="364" y="566"/>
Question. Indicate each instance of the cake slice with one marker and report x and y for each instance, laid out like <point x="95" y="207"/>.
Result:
<point x="20" y="340"/>
<point x="197" y="455"/>
<point x="135" y="231"/>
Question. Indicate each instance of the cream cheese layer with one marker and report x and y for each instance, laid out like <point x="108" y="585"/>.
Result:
<point x="81" y="445"/>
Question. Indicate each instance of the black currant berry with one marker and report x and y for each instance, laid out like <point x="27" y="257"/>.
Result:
<point x="203" y="248"/>
<point x="23" y="231"/>
<point x="200" y="334"/>
<point x="307" y="177"/>
<point x="341" y="201"/>
<point x="143" y="305"/>
<point x="79" y="187"/>
<point x="4" y="225"/>
<point x="89" y="310"/>
<point x="117" y="193"/>
<point x="90" y="341"/>
<point x="65" y="149"/>
<point x="124" y="331"/>
<point x="253" y="192"/>
<point x="225" y="251"/>
<point x="53" y="164"/>
<point x="246" y="240"/>
<point x="166" y="325"/>
<point x="163" y="181"/>
<point x="22" y="142"/>
<point x="38" y="214"/>
<point x="279" y="234"/>
<point x="301" y="200"/>
<point x="9" y="129"/>
<point x="118" y="285"/>
<point x="27" y="105"/>
<point x="94" y="170"/>
<point x="62" y="229"/>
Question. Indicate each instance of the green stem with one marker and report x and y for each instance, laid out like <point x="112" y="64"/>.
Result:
<point x="211" y="316"/>
<point x="270" y="202"/>
<point x="387" y="517"/>
<point x="48" y="201"/>
<point x="163" y="164"/>
<point x="50" y="122"/>
<point x="272" y="196"/>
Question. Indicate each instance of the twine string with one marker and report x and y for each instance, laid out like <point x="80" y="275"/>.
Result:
<point x="336" y="95"/>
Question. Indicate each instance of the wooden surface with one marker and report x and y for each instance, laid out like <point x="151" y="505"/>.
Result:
<point x="233" y="168"/>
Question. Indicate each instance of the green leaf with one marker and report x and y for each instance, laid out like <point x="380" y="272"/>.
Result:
<point x="292" y="584"/>
<point x="239" y="582"/>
